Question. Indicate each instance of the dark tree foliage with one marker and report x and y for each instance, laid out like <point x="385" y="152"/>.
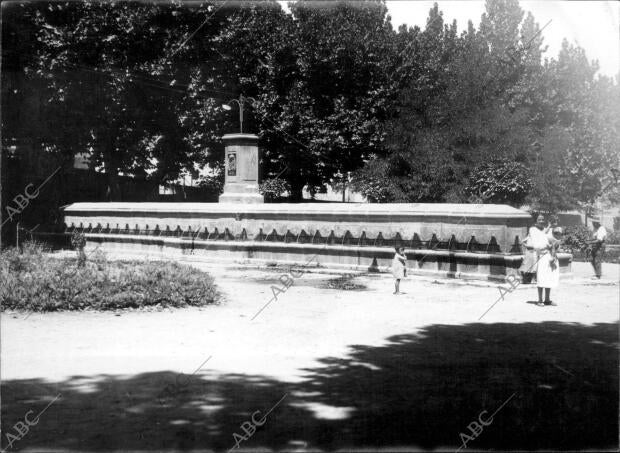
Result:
<point x="104" y="80"/>
<point x="504" y="182"/>
<point x="478" y="103"/>
<point x="416" y="114"/>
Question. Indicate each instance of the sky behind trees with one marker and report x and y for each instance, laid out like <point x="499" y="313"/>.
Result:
<point x="593" y="25"/>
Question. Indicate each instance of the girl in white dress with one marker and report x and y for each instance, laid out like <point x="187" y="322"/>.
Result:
<point x="548" y="271"/>
<point x="399" y="267"/>
<point x="532" y="244"/>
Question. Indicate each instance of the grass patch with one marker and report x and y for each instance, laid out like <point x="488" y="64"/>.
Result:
<point x="34" y="281"/>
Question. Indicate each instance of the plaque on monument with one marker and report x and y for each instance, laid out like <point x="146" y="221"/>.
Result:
<point x="232" y="164"/>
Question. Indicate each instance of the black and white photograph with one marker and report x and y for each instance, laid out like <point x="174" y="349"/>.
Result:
<point x="309" y="226"/>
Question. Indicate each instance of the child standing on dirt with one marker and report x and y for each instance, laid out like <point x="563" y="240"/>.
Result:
<point x="399" y="267"/>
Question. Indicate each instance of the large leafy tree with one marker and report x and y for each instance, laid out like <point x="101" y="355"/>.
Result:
<point x="110" y="72"/>
<point x="140" y="86"/>
<point x="336" y="107"/>
<point x="319" y="93"/>
<point x="258" y="61"/>
<point x="471" y="101"/>
<point x="454" y="113"/>
<point x="580" y="141"/>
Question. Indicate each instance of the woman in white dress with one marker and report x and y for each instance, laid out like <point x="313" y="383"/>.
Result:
<point x="535" y="241"/>
<point x="548" y="271"/>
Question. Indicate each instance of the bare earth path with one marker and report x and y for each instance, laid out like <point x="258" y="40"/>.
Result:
<point x="351" y="369"/>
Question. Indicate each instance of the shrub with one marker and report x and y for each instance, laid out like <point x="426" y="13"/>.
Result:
<point x="374" y="183"/>
<point x="35" y="281"/>
<point x="613" y="237"/>
<point x="575" y="238"/>
<point x="212" y="185"/>
<point x="78" y="240"/>
<point x="274" y="188"/>
<point x="575" y="243"/>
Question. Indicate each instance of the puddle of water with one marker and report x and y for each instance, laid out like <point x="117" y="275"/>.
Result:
<point x="344" y="283"/>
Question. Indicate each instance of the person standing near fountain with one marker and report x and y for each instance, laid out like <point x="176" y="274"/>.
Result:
<point x="598" y="248"/>
<point x="399" y="267"/>
<point x="548" y="270"/>
<point x="535" y="241"/>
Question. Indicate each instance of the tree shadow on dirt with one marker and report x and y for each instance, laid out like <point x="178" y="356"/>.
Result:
<point x="418" y="391"/>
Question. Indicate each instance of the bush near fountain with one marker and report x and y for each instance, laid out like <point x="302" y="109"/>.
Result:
<point x="33" y="280"/>
<point x="576" y="242"/>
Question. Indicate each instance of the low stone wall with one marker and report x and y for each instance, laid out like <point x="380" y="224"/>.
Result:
<point x="492" y="228"/>
<point x="441" y="263"/>
<point x="452" y="240"/>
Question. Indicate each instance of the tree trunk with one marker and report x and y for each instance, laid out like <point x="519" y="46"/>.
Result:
<point x="297" y="188"/>
<point x="113" y="191"/>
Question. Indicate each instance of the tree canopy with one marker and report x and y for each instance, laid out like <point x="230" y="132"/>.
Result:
<point x="415" y="114"/>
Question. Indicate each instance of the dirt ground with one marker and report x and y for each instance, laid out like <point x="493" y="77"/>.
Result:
<point x="345" y="369"/>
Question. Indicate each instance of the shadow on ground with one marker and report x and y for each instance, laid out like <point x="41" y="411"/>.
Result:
<point x="419" y="390"/>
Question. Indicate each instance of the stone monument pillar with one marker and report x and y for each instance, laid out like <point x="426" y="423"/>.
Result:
<point x="241" y="172"/>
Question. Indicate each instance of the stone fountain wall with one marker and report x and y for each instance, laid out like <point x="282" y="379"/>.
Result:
<point x="463" y="241"/>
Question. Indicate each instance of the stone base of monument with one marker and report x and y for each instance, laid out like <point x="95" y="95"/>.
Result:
<point x="458" y="241"/>
<point x="241" y="193"/>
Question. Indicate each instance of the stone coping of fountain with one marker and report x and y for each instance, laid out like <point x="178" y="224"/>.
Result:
<point x="343" y="209"/>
